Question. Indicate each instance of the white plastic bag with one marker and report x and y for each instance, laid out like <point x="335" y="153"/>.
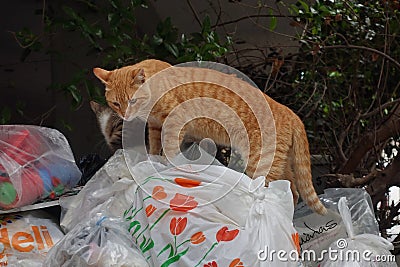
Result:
<point x="317" y="232"/>
<point x="358" y="250"/>
<point x="209" y="215"/>
<point x="104" y="193"/>
<point x="218" y="216"/>
<point x="35" y="163"/>
<point x="26" y="237"/>
<point x="101" y="242"/>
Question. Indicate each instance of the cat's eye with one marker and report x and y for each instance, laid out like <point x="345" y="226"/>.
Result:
<point x="116" y="104"/>
<point x="132" y="101"/>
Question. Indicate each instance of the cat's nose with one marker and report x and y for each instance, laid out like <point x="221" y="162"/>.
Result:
<point x="127" y="117"/>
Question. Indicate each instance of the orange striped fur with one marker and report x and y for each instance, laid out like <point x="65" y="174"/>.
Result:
<point x="286" y="156"/>
<point x="127" y="78"/>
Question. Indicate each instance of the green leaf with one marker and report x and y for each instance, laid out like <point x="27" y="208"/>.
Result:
<point x="75" y="93"/>
<point x="66" y="125"/>
<point x="136" y="225"/>
<point x="273" y="21"/>
<point x="326" y="109"/>
<point x="206" y="25"/>
<point x="173" y="49"/>
<point x="115" y="4"/>
<point x="146" y="244"/>
<point x="5" y="115"/>
<point x="70" y="12"/>
<point x="143" y="243"/>
<point x="113" y="19"/>
<point x="304" y="6"/>
<point x="99" y="33"/>
<point x="174" y="258"/>
<point x="294" y="10"/>
<point x="171" y="250"/>
<point x="136" y="3"/>
<point x="149" y="245"/>
<point x="324" y="10"/>
<point x="157" y="39"/>
<point x="20" y="106"/>
<point x="334" y="74"/>
<point x="127" y="211"/>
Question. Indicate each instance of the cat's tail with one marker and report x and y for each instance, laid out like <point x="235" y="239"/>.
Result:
<point x="302" y="170"/>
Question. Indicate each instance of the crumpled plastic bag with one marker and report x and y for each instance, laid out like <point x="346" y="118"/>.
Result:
<point x="101" y="242"/>
<point x="358" y="250"/>
<point x="26" y="237"/>
<point x="191" y="214"/>
<point x="317" y="233"/>
<point x="25" y="260"/>
<point x="35" y="163"/>
<point x="105" y="193"/>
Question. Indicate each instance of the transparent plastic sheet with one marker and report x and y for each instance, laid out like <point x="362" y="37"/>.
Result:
<point x="25" y="260"/>
<point x="100" y="242"/>
<point x="317" y="232"/>
<point x="35" y="163"/>
<point x="358" y="250"/>
<point x="245" y="224"/>
<point x="104" y="193"/>
<point x="26" y="237"/>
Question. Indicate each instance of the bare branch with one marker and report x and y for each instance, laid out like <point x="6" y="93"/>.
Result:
<point x="390" y="176"/>
<point x="379" y="109"/>
<point x="387" y="129"/>
<point x="348" y="180"/>
<point x="316" y="103"/>
<point x="249" y="17"/>
<point x="309" y="99"/>
<point x="395" y="62"/>
<point x="196" y="16"/>
<point x="20" y="44"/>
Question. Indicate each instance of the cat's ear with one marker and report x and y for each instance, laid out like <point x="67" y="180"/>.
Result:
<point x="138" y="76"/>
<point x="103" y="75"/>
<point x="95" y="106"/>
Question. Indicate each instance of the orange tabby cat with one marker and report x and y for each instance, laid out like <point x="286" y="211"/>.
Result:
<point x="281" y="156"/>
<point x="127" y="78"/>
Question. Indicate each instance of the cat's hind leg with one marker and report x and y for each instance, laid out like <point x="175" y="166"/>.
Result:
<point x="289" y="175"/>
<point x="282" y="170"/>
<point x="258" y="157"/>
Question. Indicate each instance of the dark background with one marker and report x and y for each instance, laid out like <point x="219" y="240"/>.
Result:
<point x="26" y="85"/>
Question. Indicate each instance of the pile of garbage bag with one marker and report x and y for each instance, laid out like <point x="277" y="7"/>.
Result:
<point x="139" y="210"/>
<point x="183" y="215"/>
